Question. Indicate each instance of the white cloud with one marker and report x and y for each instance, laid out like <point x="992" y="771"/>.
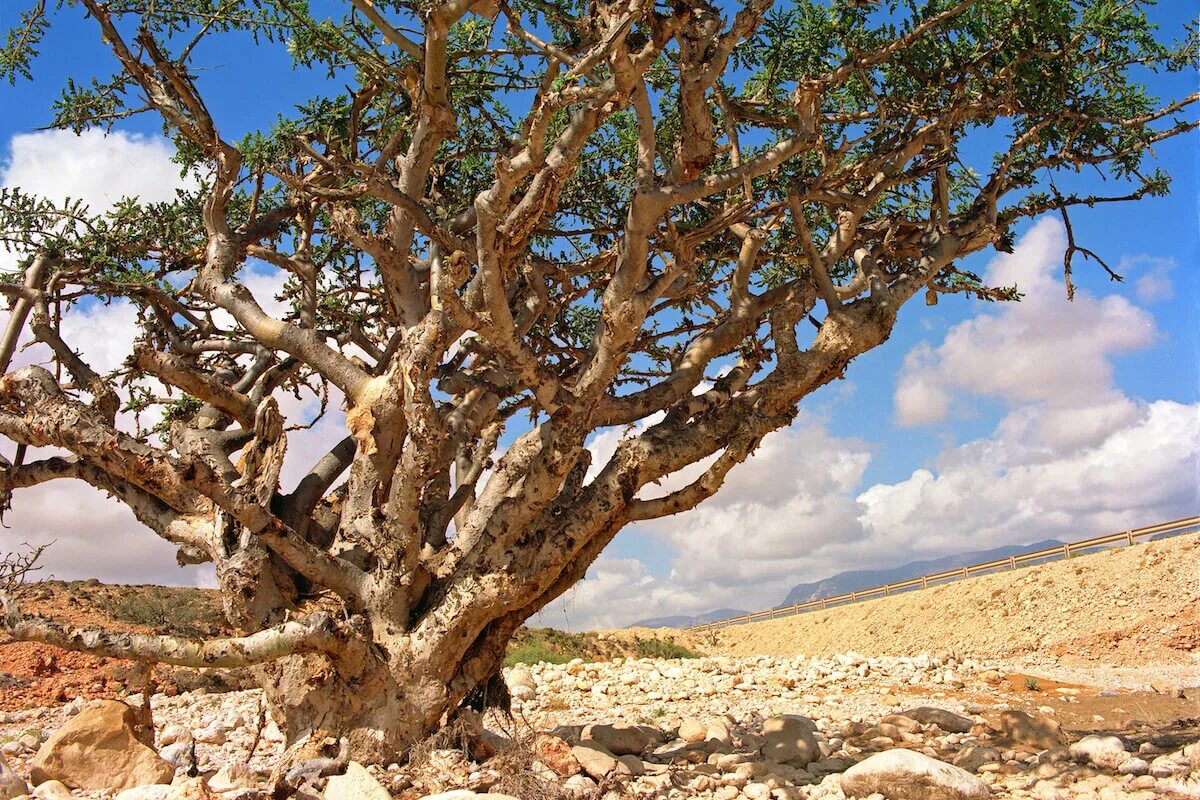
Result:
<point x="788" y="510"/>
<point x="615" y="592"/>
<point x="93" y="167"/>
<point x="1153" y="283"/>
<point x="1012" y="488"/>
<point x="1042" y="350"/>
<point x="921" y="398"/>
<point x="92" y="535"/>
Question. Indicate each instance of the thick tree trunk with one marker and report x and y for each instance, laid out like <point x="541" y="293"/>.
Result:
<point x="378" y="690"/>
<point x="378" y="715"/>
<point x="379" y="707"/>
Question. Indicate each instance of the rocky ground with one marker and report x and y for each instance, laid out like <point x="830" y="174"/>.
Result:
<point x="723" y="727"/>
<point x="949" y="723"/>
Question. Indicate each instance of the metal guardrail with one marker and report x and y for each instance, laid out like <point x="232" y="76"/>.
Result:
<point x="1122" y="539"/>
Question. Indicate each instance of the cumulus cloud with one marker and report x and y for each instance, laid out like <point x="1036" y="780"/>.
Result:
<point x="787" y="511"/>
<point x="91" y="535"/>
<point x="97" y="168"/>
<point x="1042" y="350"/>
<point x="1152" y="277"/>
<point x="1011" y="488"/>
<point x="1074" y="454"/>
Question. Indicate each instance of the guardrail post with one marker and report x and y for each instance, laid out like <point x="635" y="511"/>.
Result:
<point x="887" y="588"/>
<point x="924" y="582"/>
<point x="854" y="597"/>
<point x="964" y="572"/>
<point x="1066" y="551"/>
<point x="1129" y="536"/>
<point x="1012" y="562"/>
<point x="823" y="606"/>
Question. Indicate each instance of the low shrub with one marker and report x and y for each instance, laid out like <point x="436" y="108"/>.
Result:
<point x="534" y="645"/>
<point x="659" y="648"/>
<point x="165" y="610"/>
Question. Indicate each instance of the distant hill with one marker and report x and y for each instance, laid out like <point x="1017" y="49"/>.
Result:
<point x="856" y="580"/>
<point x="681" y="621"/>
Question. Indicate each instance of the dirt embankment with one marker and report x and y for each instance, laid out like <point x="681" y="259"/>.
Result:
<point x="1130" y="606"/>
<point x="34" y="675"/>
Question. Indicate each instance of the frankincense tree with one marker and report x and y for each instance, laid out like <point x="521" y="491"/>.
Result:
<point x="506" y="225"/>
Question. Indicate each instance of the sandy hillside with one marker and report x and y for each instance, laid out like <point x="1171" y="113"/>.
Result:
<point x="1129" y="606"/>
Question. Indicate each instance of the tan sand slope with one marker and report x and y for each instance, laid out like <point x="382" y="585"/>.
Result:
<point x="1125" y="607"/>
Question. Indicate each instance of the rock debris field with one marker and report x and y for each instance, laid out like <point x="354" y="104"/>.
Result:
<point x="938" y="725"/>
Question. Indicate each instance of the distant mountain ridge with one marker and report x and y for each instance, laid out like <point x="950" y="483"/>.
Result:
<point x="857" y="580"/>
<point x="683" y="621"/>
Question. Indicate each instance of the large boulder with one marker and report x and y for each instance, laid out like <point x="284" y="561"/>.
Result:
<point x="692" y="730"/>
<point x="907" y="775"/>
<point x="53" y="790"/>
<point x="973" y="757"/>
<point x="1106" y="752"/>
<point x="946" y="720"/>
<point x="555" y="754"/>
<point x="595" y="760"/>
<point x="618" y="739"/>
<point x="11" y="784"/>
<point x="790" y="739"/>
<point x="99" y="749"/>
<point x="1022" y="728"/>
<point x="355" y="784"/>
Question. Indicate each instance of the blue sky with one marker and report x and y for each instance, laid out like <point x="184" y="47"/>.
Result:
<point x="862" y="480"/>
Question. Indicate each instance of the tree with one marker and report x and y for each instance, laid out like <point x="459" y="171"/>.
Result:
<point x="506" y="226"/>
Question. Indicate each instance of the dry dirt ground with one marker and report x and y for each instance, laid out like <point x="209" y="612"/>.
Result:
<point x="36" y="675"/>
